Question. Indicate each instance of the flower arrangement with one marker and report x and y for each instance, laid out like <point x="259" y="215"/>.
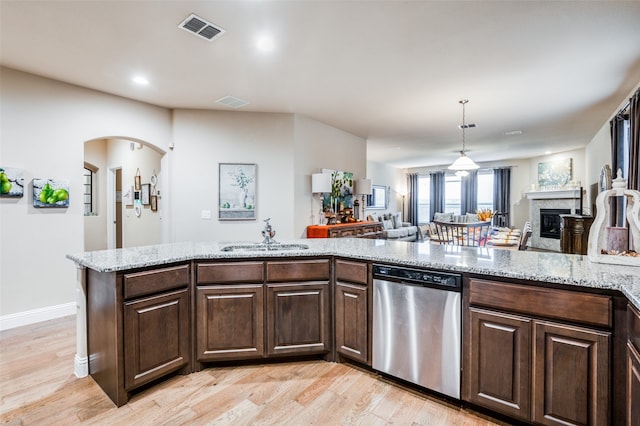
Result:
<point x="484" y="214"/>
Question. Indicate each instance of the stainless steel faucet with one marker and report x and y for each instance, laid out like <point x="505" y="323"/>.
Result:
<point x="268" y="233"/>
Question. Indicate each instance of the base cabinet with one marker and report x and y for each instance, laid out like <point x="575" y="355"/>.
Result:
<point x="352" y="331"/>
<point x="230" y="322"/>
<point x="532" y="369"/>
<point x="500" y="362"/>
<point x="571" y="379"/>
<point x="632" y="414"/>
<point x="298" y="318"/>
<point x="147" y="322"/>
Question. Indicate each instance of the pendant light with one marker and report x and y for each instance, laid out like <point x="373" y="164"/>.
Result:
<point x="463" y="162"/>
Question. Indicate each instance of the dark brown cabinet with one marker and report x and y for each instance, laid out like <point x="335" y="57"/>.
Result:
<point x="571" y="380"/>
<point x="138" y="327"/>
<point x="530" y="365"/>
<point x="633" y="367"/>
<point x="352" y="310"/>
<point x="500" y="359"/>
<point x="229" y="311"/>
<point x="156" y="337"/>
<point x="298" y="312"/>
<point x="230" y="322"/>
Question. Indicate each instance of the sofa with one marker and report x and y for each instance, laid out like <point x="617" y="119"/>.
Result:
<point x="395" y="228"/>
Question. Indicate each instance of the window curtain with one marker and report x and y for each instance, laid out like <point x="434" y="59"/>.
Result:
<point x="634" y="142"/>
<point x="617" y="162"/>
<point x="502" y="190"/>
<point x="469" y="193"/>
<point x="436" y="199"/>
<point x="412" y="207"/>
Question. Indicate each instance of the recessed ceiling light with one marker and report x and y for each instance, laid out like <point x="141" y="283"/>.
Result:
<point x="140" y="80"/>
<point x="547" y="152"/>
<point x="513" y="133"/>
<point x="265" y="43"/>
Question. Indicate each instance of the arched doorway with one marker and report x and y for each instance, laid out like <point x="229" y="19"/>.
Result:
<point x="122" y="181"/>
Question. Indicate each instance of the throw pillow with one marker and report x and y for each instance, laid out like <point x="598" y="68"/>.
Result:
<point x="387" y="224"/>
<point x="397" y="220"/>
<point x="443" y="217"/>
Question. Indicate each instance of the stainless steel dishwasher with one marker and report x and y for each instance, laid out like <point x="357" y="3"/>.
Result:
<point x="416" y="326"/>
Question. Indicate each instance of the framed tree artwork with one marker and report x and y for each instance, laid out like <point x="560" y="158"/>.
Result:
<point x="237" y="191"/>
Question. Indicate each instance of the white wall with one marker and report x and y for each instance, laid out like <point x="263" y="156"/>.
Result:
<point x="95" y="226"/>
<point x="394" y="178"/>
<point x="317" y="147"/>
<point x="203" y="139"/>
<point x="43" y="127"/>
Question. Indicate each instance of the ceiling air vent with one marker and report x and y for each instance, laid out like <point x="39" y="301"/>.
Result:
<point x="232" y="101"/>
<point x="201" y="27"/>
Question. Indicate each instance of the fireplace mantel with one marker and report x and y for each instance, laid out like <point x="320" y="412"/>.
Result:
<point x="573" y="193"/>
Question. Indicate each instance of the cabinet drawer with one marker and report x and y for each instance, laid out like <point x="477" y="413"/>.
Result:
<point x="155" y="281"/>
<point x="355" y="272"/>
<point x="300" y="270"/>
<point x="633" y="322"/>
<point x="545" y="302"/>
<point x="230" y="272"/>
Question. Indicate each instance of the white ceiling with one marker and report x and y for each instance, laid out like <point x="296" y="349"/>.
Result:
<point x="390" y="71"/>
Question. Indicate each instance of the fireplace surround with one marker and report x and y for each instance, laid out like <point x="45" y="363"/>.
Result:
<point x="566" y="200"/>
<point x="550" y="222"/>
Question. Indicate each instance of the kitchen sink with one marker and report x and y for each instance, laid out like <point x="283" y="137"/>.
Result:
<point x="264" y="247"/>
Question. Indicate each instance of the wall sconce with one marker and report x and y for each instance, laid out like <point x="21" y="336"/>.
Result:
<point x="363" y="187"/>
<point x="320" y="184"/>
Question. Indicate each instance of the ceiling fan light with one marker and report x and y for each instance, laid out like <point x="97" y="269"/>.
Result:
<point x="464" y="163"/>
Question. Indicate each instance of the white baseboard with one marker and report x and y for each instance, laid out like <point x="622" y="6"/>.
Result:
<point x="36" y="315"/>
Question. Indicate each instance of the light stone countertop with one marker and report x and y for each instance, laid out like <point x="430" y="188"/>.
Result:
<point x="574" y="270"/>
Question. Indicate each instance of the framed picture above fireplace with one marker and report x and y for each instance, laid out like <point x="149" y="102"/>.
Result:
<point x="557" y="173"/>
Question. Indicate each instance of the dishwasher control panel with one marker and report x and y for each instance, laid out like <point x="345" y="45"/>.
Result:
<point x="418" y="276"/>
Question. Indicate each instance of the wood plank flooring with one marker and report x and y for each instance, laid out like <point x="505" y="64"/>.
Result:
<point x="37" y="387"/>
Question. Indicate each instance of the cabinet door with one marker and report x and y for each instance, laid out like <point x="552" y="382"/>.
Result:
<point x="571" y="375"/>
<point x="498" y="374"/>
<point x="156" y="337"/>
<point x="633" y="385"/>
<point x="298" y="318"/>
<point x="351" y="321"/>
<point x="229" y="322"/>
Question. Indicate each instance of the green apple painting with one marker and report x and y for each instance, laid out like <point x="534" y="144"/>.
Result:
<point x="11" y="182"/>
<point x="50" y="193"/>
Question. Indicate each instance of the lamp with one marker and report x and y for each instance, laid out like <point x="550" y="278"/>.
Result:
<point x="463" y="162"/>
<point x="362" y="187"/>
<point x="320" y="184"/>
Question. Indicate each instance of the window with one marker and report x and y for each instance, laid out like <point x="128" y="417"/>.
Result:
<point x="424" y="199"/>
<point x="485" y="190"/>
<point x="89" y="181"/>
<point x="452" y="191"/>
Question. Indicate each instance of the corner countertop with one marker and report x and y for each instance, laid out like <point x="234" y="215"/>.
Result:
<point x="568" y="269"/>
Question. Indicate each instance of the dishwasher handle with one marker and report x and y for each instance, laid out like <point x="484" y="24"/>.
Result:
<point x="427" y="278"/>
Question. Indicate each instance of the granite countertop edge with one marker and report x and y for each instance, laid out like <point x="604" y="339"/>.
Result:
<point x="557" y="268"/>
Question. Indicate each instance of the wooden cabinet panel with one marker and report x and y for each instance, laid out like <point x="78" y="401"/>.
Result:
<point x="229" y="322"/>
<point x="633" y="326"/>
<point x="499" y="375"/>
<point x="230" y="272"/>
<point x="633" y="386"/>
<point x="299" y="270"/>
<point x="156" y="337"/>
<point x="353" y="272"/>
<point x="298" y="318"/>
<point x="351" y="315"/>
<point x="571" y="375"/>
<point x="566" y="305"/>
<point x="154" y="281"/>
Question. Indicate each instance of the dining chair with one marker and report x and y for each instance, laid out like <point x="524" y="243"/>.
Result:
<point x="524" y="237"/>
<point x="462" y="234"/>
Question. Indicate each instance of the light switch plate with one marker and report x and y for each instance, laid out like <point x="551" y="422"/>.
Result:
<point x="206" y="214"/>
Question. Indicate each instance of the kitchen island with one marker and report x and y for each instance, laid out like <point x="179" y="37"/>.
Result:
<point x="197" y="275"/>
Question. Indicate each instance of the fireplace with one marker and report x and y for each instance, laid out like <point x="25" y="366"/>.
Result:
<point x="550" y="222"/>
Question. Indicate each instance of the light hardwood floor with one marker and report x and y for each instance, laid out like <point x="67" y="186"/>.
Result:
<point x="38" y="387"/>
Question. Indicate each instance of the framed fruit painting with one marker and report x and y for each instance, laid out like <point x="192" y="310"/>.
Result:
<point x="11" y="182"/>
<point x="50" y="193"/>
